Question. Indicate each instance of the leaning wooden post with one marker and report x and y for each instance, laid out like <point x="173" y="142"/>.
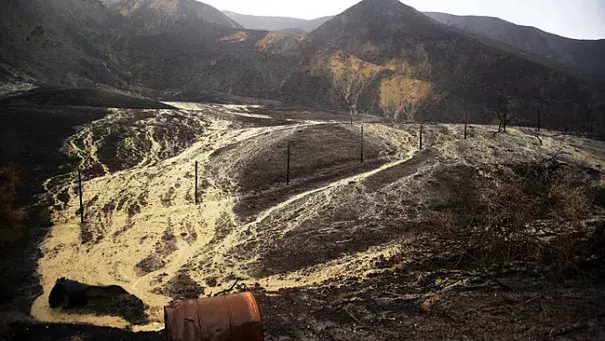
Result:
<point x="195" y="187"/>
<point x="421" y="124"/>
<point x="288" y="165"/>
<point x="361" y="144"/>
<point x="80" y="193"/>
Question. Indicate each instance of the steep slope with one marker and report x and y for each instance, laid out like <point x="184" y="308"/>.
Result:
<point x="584" y="55"/>
<point x="153" y="16"/>
<point x="383" y="56"/>
<point x="276" y="24"/>
<point x="59" y="41"/>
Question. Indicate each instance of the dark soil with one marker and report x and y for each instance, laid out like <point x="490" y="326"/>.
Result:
<point x="30" y="139"/>
<point x="151" y="263"/>
<point x="24" y="331"/>
<point x="392" y="306"/>
<point x="181" y="287"/>
<point x="251" y="204"/>
<point x="50" y="97"/>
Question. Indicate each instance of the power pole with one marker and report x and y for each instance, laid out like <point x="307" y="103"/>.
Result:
<point x="195" y="189"/>
<point x="539" y="117"/>
<point x="288" y="166"/>
<point x="80" y="193"/>
<point x="361" y="144"/>
<point x="566" y="125"/>
<point x="591" y="125"/>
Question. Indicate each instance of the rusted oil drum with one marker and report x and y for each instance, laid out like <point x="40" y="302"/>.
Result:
<point x="222" y="318"/>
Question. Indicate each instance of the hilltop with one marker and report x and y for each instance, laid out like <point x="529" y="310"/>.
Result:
<point x="155" y="16"/>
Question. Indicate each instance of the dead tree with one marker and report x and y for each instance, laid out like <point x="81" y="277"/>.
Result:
<point x="534" y="133"/>
<point x="505" y="116"/>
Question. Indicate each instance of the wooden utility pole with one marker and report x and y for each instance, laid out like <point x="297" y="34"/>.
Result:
<point x="195" y="187"/>
<point x="288" y="165"/>
<point x="421" y="124"/>
<point x="351" y="117"/>
<point x="539" y="118"/>
<point x="465" y="124"/>
<point x="80" y="193"/>
<point x="566" y="125"/>
<point x="361" y="144"/>
<point x="591" y="125"/>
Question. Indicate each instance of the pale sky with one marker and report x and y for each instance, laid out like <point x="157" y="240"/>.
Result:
<point x="580" y="19"/>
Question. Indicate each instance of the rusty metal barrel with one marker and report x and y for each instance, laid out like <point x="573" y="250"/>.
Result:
<point x="222" y="318"/>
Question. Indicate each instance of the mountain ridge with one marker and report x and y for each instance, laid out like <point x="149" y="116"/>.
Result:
<point x="584" y="55"/>
<point x="158" y="15"/>
<point x="278" y="24"/>
<point x="379" y="57"/>
<point x="580" y="55"/>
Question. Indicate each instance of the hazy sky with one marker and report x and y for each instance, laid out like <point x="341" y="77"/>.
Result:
<point x="581" y="19"/>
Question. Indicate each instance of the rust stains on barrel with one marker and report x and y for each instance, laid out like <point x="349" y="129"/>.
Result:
<point x="222" y="318"/>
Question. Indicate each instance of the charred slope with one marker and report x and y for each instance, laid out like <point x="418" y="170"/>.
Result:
<point x="379" y="57"/>
<point x="59" y="97"/>
<point x="583" y="55"/>
<point x="152" y="48"/>
<point x="383" y="56"/>
<point x="60" y="41"/>
<point x="154" y="16"/>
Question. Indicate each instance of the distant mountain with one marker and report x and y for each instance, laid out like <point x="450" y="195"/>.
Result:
<point x="584" y="55"/>
<point x="277" y="24"/>
<point x="384" y="56"/>
<point x="158" y="15"/>
<point x="379" y="57"/>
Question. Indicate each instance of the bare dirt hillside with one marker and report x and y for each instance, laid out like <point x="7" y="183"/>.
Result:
<point x="401" y="244"/>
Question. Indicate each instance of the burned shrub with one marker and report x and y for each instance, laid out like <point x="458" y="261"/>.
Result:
<point x="519" y="216"/>
<point x="10" y="218"/>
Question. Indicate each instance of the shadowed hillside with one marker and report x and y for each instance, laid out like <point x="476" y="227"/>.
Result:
<point x="584" y="55"/>
<point x="383" y="56"/>
<point x="155" y="16"/>
<point x="60" y="41"/>
<point x="380" y="57"/>
<point x="55" y="97"/>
